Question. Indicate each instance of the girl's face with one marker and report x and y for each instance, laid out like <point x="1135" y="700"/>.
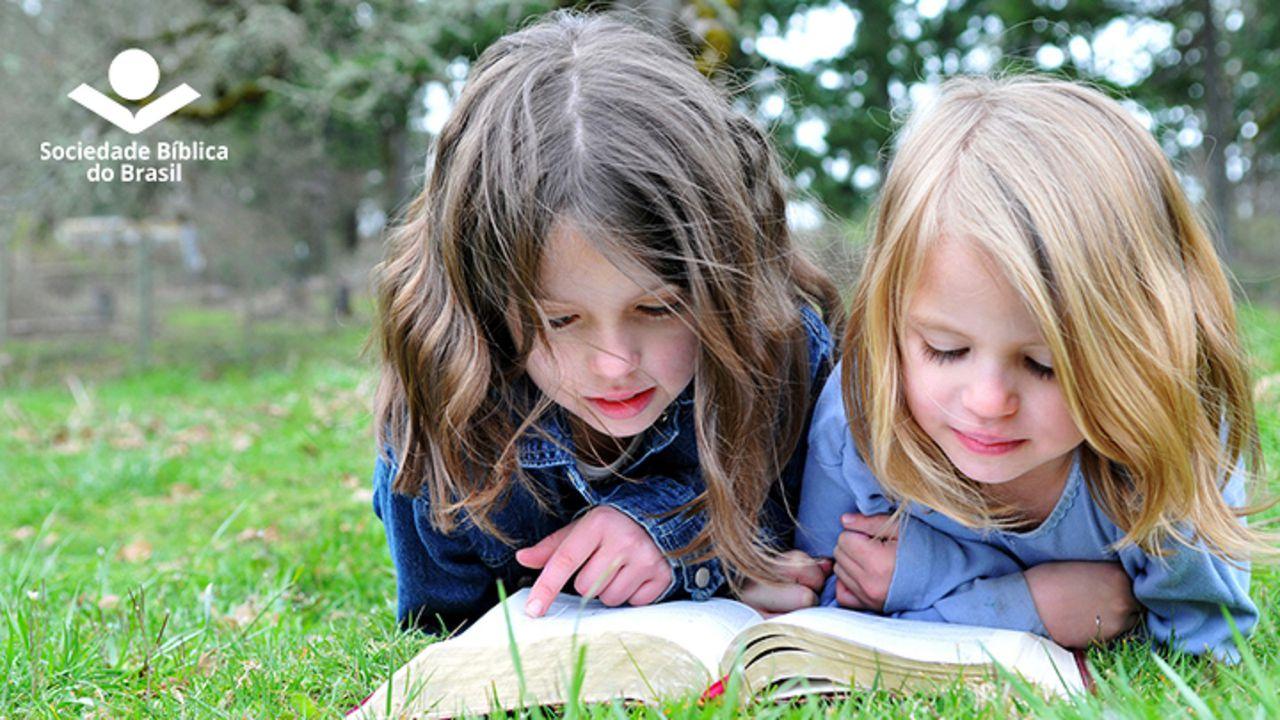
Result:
<point x="617" y="350"/>
<point x="979" y="377"/>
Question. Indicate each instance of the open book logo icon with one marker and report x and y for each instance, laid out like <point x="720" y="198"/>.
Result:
<point x="134" y="75"/>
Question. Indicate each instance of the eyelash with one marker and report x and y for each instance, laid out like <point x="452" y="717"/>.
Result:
<point x="655" y="312"/>
<point x="946" y="356"/>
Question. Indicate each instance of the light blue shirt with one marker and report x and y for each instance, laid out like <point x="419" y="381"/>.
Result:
<point x="947" y="572"/>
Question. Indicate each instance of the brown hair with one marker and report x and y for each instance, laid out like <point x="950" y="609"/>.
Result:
<point x="590" y="120"/>
<point x="1079" y="209"/>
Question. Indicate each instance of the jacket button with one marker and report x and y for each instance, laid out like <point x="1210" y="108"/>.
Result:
<point x="702" y="577"/>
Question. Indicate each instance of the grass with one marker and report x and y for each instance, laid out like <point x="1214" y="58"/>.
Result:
<point x="196" y="540"/>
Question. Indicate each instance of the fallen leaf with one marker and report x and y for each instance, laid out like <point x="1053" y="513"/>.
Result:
<point x="241" y="442"/>
<point x="208" y="663"/>
<point x="181" y="491"/>
<point x="242" y="615"/>
<point x="128" y="436"/>
<point x="1266" y="385"/>
<point x="266" y="535"/>
<point x="193" y="435"/>
<point x="128" y="443"/>
<point x="136" y="551"/>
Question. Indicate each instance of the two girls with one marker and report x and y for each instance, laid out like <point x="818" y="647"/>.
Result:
<point x="600" y="346"/>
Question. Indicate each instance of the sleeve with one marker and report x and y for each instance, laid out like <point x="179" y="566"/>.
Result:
<point x="440" y="578"/>
<point x="652" y="504"/>
<point x="835" y="481"/>
<point x="1186" y="592"/>
<point x="944" y="578"/>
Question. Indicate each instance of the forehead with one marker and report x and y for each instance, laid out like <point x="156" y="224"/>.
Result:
<point x="960" y="285"/>
<point x="573" y="268"/>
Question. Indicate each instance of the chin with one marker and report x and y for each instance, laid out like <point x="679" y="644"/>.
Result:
<point x="621" y="429"/>
<point x="982" y="473"/>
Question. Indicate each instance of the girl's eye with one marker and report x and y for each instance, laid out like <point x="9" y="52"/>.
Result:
<point x="656" y="311"/>
<point x="1044" y="372"/>
<point x="942" y="356"/>
<point x="560" y="321"/>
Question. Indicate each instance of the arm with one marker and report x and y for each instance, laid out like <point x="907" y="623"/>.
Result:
<point x="836" y="480"/>
<point x="1186" y="591"/>
<point x="1075" y="603"/>
<point x="943" y="578"/>
<point x="440" y="579"/>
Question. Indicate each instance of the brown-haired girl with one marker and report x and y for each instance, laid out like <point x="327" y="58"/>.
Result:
<point x="1043" y="381"/>
<point x="599" y="343"/>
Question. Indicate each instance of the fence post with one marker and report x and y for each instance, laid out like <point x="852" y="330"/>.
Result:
<point x="145" y="299"/>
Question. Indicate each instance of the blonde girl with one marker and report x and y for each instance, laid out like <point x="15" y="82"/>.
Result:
<point x="588" y="319"/>
<point x="1042" y="383"/>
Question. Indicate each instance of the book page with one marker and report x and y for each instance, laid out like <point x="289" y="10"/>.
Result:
<point x="704" y="628"/>
<point x="1035" y="657"/>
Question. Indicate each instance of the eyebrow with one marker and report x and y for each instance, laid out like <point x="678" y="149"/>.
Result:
<point x="928" y="322"/>
<point x="666" y="292"/>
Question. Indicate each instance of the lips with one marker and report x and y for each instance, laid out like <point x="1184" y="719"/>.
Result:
<point x="987" y="444"/>
<point x="623" y="405"/>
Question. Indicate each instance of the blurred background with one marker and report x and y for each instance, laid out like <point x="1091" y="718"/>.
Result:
<point x="328" y="108"/>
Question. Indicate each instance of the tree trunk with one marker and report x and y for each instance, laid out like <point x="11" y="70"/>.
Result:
<point x="1219" y="131"/>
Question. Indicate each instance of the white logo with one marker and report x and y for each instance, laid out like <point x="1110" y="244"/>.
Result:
<point x="134" y="75"/>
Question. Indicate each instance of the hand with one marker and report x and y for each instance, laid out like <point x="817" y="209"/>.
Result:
<point x="614" y="558"/>
<point x="866" y="553"/>
<point x="1083" y="602"/>
<point x="803" y="577"/>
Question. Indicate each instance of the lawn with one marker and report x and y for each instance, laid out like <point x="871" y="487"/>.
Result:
<point x="197" y="540"/>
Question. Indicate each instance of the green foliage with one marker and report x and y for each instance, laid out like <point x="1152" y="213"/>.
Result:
<point x="859" y="92"/>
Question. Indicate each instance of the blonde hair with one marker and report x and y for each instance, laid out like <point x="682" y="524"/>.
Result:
<point x="590" y="120"/>
<point x="1076" y="204"/>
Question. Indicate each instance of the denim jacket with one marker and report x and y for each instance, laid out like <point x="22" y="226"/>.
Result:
<point x="450" y="577"/>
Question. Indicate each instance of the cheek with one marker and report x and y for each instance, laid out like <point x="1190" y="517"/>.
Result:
<point x="674" y="355"/>
<point x="1055" y="418"/>
<point x="920" y="388"/>
<point x="685" y="355"/>
<point x="544" y="369"/>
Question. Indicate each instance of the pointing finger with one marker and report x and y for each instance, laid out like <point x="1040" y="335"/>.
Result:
<point x="535" y="556"/>
<point x="576" y="549"/>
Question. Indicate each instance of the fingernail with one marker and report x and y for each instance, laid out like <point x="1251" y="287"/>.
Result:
<point x="533" y="608"/>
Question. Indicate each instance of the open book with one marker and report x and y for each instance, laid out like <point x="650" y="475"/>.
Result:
<point x="679" y="649"/>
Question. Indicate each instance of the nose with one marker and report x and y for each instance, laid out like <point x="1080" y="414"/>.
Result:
<point x="613" y="355"/>
<point x="990" y="395"/>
